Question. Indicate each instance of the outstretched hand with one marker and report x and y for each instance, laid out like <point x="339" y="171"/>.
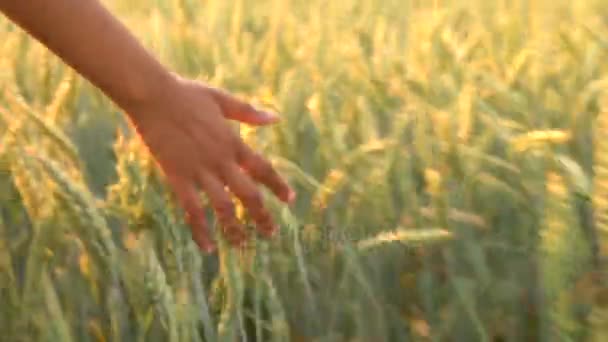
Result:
<point x="183" y="122"/>
<point x="187" y="131"/>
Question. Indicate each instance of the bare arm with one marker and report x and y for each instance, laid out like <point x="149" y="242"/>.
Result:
<point x="183" y="122"/>
<point x="87" y="37"/>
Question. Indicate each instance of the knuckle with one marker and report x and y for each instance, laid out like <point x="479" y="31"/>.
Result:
<point x="264" y="168"/>
<point x="253" y="198"/>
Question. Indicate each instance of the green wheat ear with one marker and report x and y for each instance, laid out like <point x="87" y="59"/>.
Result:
<point x="599" y="313"/>
<point x="600" y="186"/>
<point x="562" y="252"/>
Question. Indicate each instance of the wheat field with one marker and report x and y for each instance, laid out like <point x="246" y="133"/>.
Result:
<point x="450" y="159"/>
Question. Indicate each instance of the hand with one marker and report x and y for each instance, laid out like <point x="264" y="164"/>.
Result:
<point x="182" y="122"/>
<point x="187" y="132"/>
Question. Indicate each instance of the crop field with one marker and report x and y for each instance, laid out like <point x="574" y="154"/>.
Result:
<point x="450" y="159"/>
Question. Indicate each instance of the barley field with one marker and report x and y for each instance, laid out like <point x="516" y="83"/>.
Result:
<point x="450" y="159"/>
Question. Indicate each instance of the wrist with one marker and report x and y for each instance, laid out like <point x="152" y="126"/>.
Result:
<point x="145" y="90"/>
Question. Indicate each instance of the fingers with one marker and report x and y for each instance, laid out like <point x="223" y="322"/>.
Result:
<point x="195" y="215"/>
<point x="241" y="185"/>
<point x="251" y="198"/>
<point x="263" y="172"/>
<point x="224" y="209"/>
<point x="235" y="109"/>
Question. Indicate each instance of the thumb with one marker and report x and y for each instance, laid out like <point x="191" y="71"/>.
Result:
<point x="235" y="109"/>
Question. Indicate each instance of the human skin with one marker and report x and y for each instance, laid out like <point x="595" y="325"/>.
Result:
<point x="184" y="123"/>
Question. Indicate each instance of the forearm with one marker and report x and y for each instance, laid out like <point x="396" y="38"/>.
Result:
<point x="87" y="36"/>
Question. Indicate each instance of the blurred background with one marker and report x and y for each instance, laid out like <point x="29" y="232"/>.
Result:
<point x="450" y="161"/>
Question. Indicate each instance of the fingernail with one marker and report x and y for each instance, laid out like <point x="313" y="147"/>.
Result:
<point x="270" y="117"/>
<point x="291" y="196"/>
<point x="208" y="249"/>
